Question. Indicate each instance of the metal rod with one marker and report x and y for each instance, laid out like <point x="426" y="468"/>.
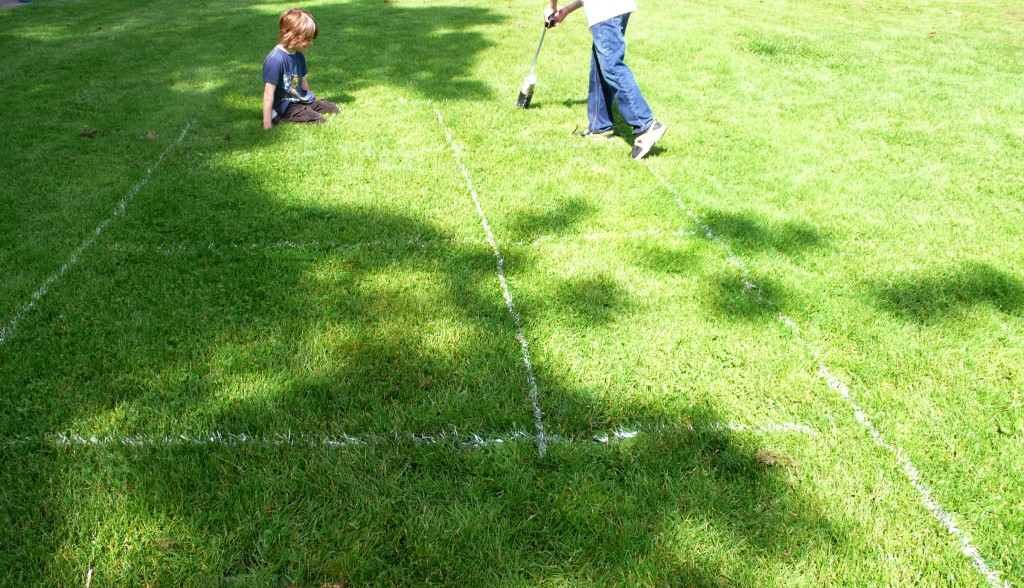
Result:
<point x="537" y="54"/>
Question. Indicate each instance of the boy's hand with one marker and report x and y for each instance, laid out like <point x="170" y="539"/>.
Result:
<point x="554" y="14"/>
<point x="549" y="15"/>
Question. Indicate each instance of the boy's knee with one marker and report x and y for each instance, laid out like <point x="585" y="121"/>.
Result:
<point x="301" y="113"/>
<point x="314" y="117"/>
<point x="325" y="107"/>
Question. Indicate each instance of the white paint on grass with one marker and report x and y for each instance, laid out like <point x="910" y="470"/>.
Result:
<point x="219" y="439"/>
<point x="912" y="473"/>
<point x="767" y="429"/>
<point x="534" y="394"/>
<point x="342" y="440"/>
<point x="177" y="249"/>
<point x="606" y="236"/>
<point x="119" y="211"/>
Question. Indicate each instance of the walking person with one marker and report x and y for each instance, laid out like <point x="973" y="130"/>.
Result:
<point x="611" y="80"/>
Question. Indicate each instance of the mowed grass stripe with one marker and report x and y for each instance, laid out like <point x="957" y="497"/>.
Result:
<point x="415" y="497"/>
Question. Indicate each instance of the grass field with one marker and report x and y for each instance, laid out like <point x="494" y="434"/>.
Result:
<point x="440" y="341"/>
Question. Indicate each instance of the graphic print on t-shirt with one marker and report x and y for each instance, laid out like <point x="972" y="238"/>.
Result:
<point x="286" y="70"/>
<point x="291" y="87"/>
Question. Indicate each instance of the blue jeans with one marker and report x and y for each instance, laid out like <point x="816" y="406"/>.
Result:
<point x="611" y="80"/>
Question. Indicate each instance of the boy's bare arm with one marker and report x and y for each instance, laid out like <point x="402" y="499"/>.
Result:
<point x="565" y="10"/>
<point x="305" y="84"/>
<point x="268" y="105"/>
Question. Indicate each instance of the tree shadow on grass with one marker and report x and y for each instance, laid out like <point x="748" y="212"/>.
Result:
<point x="363" y="43"/>
<point x="381" y="325"/>
<point x="384" y="327"/>
<point x="690" y="508"/>
<point x="947" y="293"/>
<point x="185" y="60"/>
<point x="738" y="293"/>
<point x="746" y="232"/>
<point x="730" y="293"/>
<point x="429" y="49"/>
<point x="566" y="214"/>
<point x="590" y="301"/>
<point x="751" y="299"/>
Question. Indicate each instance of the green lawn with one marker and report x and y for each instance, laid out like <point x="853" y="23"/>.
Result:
<point x="775" y="353"/>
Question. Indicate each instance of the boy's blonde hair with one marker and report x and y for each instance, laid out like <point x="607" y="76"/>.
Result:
<point x="296" y="25"/>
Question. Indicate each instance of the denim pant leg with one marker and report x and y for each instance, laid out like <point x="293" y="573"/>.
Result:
<point x="599" y="97"/>
<point x="611" y="79"/>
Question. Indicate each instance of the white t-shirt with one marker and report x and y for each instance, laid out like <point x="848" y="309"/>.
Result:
<point x="601" y="10"/>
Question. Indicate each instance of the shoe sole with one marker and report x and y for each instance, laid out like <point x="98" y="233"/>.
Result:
<point x="596" y="136"/>
<point x="656" y="134"/>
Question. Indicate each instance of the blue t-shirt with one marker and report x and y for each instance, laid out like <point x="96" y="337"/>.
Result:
<point x="286" y="70"/>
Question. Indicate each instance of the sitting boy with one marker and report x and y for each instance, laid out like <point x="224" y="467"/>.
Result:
<point x="286" y="93"/>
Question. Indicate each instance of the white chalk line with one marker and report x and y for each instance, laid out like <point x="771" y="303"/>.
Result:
<point x="119" y="211"/>
<point x="342" y="440"/>
<point x="942" y="515"/>
<point x="177" y="249"/>
<point x="534" y="394"/>
<point x="766" y="429"/>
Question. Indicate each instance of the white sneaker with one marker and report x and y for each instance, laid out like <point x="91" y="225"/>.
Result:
<point x="643" y="144"/>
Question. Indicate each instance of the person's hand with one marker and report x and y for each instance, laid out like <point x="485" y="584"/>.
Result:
<point x="559" y="16"/>
<point x="549" y="15"/>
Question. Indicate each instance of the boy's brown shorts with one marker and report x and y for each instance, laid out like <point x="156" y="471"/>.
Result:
<point x="308" y="113"/>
